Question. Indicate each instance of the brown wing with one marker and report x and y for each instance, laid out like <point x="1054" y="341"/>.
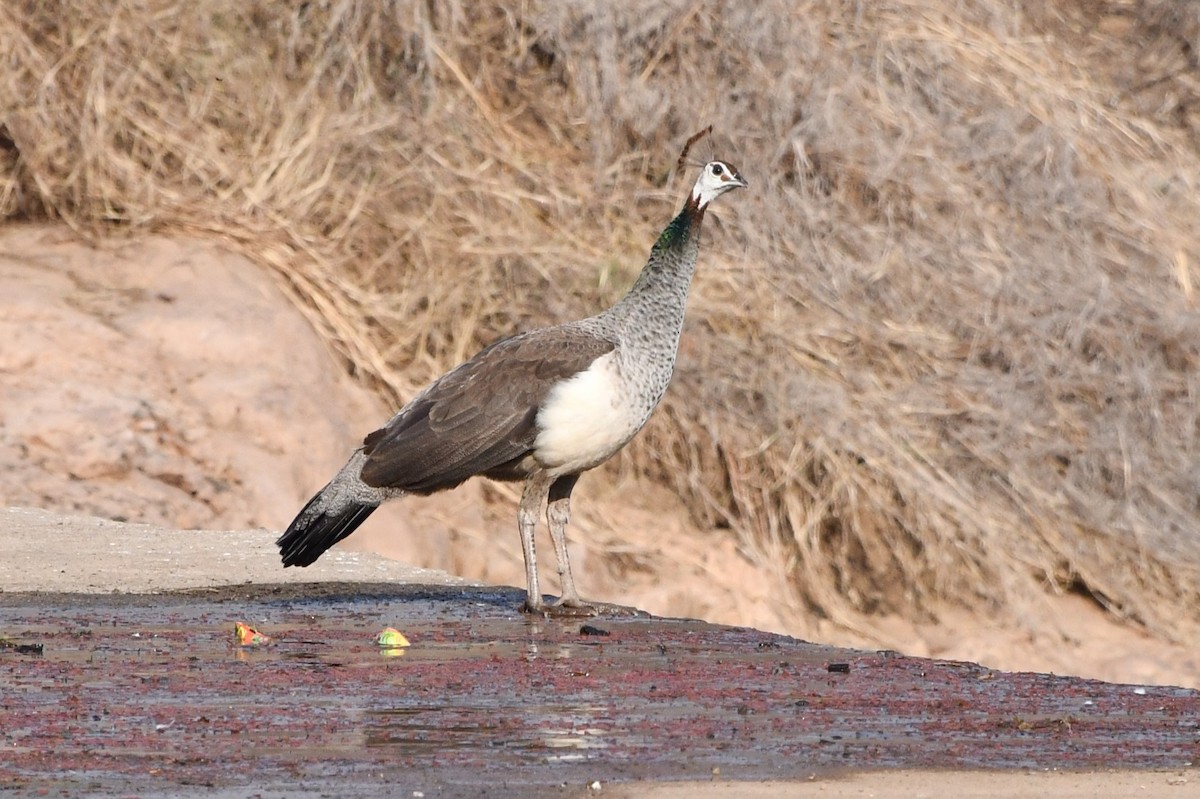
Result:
<point x="479" y="416"/>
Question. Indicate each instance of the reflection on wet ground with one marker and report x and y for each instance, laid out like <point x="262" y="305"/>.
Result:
<point x="149" y="694"/>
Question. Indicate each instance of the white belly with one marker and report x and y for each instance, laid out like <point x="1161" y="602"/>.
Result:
<point x="586" y="419"/>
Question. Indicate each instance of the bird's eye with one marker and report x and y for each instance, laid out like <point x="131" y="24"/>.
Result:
<point x="717" y="169"/>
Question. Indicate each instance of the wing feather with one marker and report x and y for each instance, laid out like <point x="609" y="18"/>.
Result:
<point x="479" y="416"/>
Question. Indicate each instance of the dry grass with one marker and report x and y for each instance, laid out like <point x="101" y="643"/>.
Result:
<point x="945" y="348"/>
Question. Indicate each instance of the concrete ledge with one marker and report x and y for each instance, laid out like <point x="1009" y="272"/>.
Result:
<point x="44" y="551"/>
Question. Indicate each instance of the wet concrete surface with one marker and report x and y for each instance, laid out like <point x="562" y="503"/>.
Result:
<point x="148" y="695"/>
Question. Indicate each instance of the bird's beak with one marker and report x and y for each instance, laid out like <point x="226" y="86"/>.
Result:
<point x="737" y="181"/>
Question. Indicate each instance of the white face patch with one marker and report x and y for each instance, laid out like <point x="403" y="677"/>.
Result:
<point x="715" y="179"/>
<point x="585" y="420"/>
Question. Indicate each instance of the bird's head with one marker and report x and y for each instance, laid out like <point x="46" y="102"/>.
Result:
<point x="717" y="178"/>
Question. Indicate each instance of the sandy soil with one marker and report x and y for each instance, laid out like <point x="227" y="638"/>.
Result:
<point x="930" y="784"/>
<point x="146" y="382"/>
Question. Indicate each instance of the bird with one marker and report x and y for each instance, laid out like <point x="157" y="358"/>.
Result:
<point x="541" y="406"/>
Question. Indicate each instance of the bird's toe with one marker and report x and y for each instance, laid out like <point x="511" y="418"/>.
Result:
<point x="573" y="608"/>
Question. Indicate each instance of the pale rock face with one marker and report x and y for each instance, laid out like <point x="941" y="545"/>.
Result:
<point x="146" y="382"/>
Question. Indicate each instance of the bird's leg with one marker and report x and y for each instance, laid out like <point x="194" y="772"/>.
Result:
<point x="558" y="514"/>
<point x="533" y="498"/>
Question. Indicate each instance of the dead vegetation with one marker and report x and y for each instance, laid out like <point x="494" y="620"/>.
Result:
<point x="944" y="349"/>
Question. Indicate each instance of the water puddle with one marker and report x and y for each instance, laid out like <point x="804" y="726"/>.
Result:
<point x="127" y="684"/>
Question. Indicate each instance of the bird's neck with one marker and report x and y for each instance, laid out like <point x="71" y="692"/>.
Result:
<point x="667" y="275"/>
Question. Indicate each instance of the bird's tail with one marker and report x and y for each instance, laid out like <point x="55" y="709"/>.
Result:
<point x="314" y="531"/>
<point x="334" y="513"/>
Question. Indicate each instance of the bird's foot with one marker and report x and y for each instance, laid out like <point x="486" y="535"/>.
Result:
<point x="576" y="608"/>
<point x="538" y="608"/>
<point x="564" y="606"/>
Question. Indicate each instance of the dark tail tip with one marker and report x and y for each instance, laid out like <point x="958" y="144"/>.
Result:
<point x="309" y="535"/>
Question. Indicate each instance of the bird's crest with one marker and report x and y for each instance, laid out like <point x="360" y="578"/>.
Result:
<point x="688" y="146"/>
